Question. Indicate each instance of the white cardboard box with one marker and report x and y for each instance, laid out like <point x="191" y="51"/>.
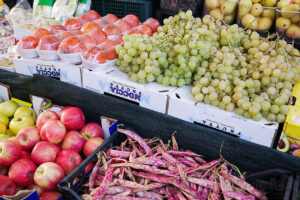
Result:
<point x="56" y="69"/>
<point x="112" y="81"/>
<point x="183" y="106"/>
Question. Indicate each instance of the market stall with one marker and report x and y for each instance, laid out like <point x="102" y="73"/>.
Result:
<point x="106" y="103"/>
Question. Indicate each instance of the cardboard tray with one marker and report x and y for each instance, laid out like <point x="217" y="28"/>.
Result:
<point x="183" y="106"/>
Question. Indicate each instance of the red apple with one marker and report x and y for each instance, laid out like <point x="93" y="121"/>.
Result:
<point x="73" y="140"/>
<point x="89" y="167"/>
<point x="91" y="130"/>
<point x="26" y="155"/>
<point x="49" y="196"/>
<point x="44" y="117"/>
<point x="54" y="131"/>
<point x="58" y="148"/>
<point x="9" y="152"/>
<point x="3" y="170"/>
<point x="68" y="159"/>
<point x="48" y="175"/>
<point x="28" y="137"/>
<point x="35" y="187"/>
<point x="72" y="117"/>
<point x="91" y="145"/>
<point x="7" y="186"/>
<point x="21" y="172"/>
<point x="44" y="152"/>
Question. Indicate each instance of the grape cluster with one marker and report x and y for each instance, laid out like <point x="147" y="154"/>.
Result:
<point x="230" y="68"/>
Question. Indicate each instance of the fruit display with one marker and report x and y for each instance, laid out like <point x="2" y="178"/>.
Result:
<point x="229" y="68"/>
<point x="91" y="35"/>
<point x="288" y="19"/>
<point x="40" y="157"/>
<point x="289" y="146"/>
<point x="225" y="10"/>
<point x="13" y="118"/>
<point x="257" y="15"/>
<point x="149" y="169"/>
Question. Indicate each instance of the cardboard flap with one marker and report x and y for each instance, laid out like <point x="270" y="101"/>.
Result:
<point x="40" y="104"/>
<point x="109" y="125"/>
<point x="5" y="93"/>
<point x="22" y="194"/>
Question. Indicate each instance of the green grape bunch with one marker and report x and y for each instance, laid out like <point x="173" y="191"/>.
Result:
<point x="228" y="67"/>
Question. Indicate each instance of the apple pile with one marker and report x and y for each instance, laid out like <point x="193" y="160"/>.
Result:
<point x="14" y="118"/>
<point x="40" y="157"/>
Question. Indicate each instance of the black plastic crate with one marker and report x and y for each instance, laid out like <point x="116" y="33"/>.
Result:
<point x="276" y="183"/>
<point x="183" y="5"/>
<point x="296" y="188"/>
<point x="70" y="185"/>
<point x="161" y="14"/>
<point x="141" y="8"/>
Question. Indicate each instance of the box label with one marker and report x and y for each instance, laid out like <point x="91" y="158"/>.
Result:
<point x="125" y="91"/>
<point x="221" y="127"/>
<point x="48" y="71"/>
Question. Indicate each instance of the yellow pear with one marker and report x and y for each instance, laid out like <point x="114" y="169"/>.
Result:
<point x="293" y="32"/>
<point x="269" y="3"/>
<point x="2" y="128"/>
<point x="25" y="111"/>
<point x="212" y="4"/>
<point x="216" y="13"/>
<point x="9" y="133"/>
<point x="249" y="21"/>
<point x="283" y="23"/>
<point x="271" y="13"/>
<point x="291" y="7"/>
<point x="283" y="3"/>
<point x="4" y="119"/>
<point x="244" y="7"/>
<point x="256" y="1"/>
<point x="222" y="2"/>
<point x="229" y="7"/>
<point x="264" y="24"/>
<point x="295" y="19"/>
<point x="229" y="19"/>
<point x="256" y="10"/>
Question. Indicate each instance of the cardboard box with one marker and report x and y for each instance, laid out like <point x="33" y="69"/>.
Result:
<point x="112" y="81"/>
<point x="22" y="195"/>
<point x="183" y="106"/>
<point x="292" y="125"/>
<point x="292" y="122"/>
<point x="56" y="69"/>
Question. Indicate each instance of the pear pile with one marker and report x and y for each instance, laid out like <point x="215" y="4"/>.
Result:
<point x="257" y="15"/>
<point x="224" y="10"/>
<point x="288" y="18"/>
<point x="13" y="118"/>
